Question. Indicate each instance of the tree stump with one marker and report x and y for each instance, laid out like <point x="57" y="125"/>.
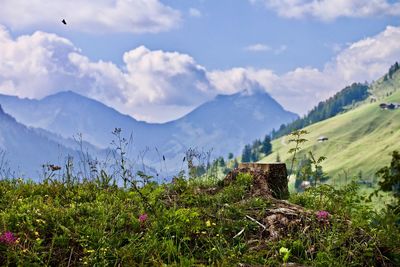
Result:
<point x="269" y="178"/>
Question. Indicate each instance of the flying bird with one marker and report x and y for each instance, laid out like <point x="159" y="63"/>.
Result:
<point x="64" y="22"/>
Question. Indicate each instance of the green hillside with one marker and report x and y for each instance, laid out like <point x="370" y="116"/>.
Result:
<point x="388" y="84"/>
<point x="361" y="139"/>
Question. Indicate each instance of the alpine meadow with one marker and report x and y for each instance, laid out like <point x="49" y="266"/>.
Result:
<point x="200" y="133"/>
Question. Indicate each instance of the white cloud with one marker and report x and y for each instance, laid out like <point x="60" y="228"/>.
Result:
<point x="264" y="48"/>
<point x="101" y="16"/>
<point x="331" y="9"/>
<point x="40" y="64"/>
<point x="369" y="58"/>
<point x="32" y="65"/>
<point x="156" y="85"/>
<point x="299" y="90"/>
<point x="194" y="12"/>
<point x="257" y="48"/>
<point x="148" y="80"/>
<point x="238" y="79"/>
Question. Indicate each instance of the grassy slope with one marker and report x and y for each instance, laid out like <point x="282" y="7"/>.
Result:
<point x="361" y="139"/>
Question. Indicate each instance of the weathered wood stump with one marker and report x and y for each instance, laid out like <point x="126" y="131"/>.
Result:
<point x="270" y="179"/>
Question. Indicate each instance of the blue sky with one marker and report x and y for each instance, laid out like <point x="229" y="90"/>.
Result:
<point x="157" y="60"/>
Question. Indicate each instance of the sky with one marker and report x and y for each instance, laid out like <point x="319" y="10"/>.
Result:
<point x="156" y="60"/>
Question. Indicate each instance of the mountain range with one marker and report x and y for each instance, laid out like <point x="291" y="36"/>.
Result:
<point x="222" y="125"/>
<point x="24" y="150"/>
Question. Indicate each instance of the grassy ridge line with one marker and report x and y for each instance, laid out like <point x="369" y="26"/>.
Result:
<point x="382" y="87"/>
<point x="361" y="139"/>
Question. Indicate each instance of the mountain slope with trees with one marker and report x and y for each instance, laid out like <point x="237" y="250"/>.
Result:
<point x="327" y="109"/>
<point x="358" y="141"/>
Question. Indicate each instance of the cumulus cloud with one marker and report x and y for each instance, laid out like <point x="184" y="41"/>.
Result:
<point x="239" y="79"/>
<point x="157" y="85"/>
<point x="40" y="64"/>
<point x="148" y="80"/>
<point x="101" y="16"/>
<point x="331" y="9"/>
<point x="32" y="65"/>
<point x="369" y="58"/>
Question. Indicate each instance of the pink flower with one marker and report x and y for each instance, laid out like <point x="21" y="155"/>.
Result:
<point x="143" y="217"/>
<point x="322" y="215"/>
<point x="8" y="238"/>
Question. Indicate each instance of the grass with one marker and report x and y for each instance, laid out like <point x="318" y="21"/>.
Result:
<point x="188" y="223"/>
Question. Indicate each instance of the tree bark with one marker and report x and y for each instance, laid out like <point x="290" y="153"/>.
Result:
<point x="273" y="174"/>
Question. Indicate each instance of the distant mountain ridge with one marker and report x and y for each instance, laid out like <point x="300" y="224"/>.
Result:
<point x="236" y="118"/>
<point x="223" y="124"/>
<point x="25" y="150"/>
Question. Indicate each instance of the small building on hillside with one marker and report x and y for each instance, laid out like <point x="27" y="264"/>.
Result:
<point x="322" y="138"/>
<point x="390" y="106"/>
<point x="305" y="184"/>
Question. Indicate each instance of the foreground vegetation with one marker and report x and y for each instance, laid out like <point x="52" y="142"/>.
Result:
<point x="189" y="222"/>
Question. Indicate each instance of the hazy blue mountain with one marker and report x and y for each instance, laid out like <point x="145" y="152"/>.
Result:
<point x="25" y="150"/>
<point x="68" y="114"/>
<point x="224" y="124"/>
<point x="228" y="122"/>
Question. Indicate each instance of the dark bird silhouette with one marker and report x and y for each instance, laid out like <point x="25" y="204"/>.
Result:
<point x="64" y="22"/>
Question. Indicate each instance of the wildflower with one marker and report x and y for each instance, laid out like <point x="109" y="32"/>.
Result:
<point x="8" y="238"/>
<point x="322" y="215"/>
<point x="143" y="217"/>
<point x="208" y="223"/>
